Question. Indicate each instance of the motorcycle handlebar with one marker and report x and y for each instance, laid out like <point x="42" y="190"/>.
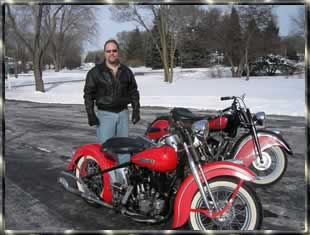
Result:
<point x="225" y="110"/>
<point x="227" y="97"/>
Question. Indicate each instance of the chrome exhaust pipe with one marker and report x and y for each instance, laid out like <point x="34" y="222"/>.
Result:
<point x="88" y="195"/>
<point x="134" y="216"/>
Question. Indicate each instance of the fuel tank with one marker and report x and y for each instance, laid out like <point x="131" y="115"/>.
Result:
<point x="162" y="159"/>
<point x="158" y="129"/>
<point x="218" y="123"/>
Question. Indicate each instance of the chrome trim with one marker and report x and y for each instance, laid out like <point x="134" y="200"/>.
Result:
<point x="196" y="175"/>
<point x="208" y="187"/>
<point x="87" y="194"/>
<point x="275" y="131"/>
<point x="237" y="161"/>
<point x="172" y="140"/>
<point x="201" y="128"/>
<point x="259" y="118"/>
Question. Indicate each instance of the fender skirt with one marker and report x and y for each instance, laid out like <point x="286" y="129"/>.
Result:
<point x="94" y="150"/>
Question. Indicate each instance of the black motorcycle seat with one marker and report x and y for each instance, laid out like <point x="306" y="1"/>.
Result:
<point x="123" y="145"/>
<point x="184" y="114"/>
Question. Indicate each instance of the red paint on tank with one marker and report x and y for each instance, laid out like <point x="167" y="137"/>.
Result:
<point x="162" y="126"/>
<point x="218" y="123"/>
<point x="162" y="159"/>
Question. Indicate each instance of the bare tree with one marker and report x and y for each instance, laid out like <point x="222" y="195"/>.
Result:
<point x="299" y="23"/>
<point x="260" y="14"/>
<point x="74" y="21"/>
<point x="31" y="34"/>
<point x="168" y="20"/>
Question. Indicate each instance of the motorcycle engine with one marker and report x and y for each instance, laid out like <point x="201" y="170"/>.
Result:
<point x="149" y="194"/>
<point x="149" y="202"/>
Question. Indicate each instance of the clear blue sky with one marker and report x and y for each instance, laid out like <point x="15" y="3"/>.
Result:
<point x="109" y="28"/>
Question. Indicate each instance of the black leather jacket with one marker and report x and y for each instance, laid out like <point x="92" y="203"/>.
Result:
<point x="109" y="93"/>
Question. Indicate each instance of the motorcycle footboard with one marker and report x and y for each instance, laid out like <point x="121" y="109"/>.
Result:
<point x="87" y="194"/>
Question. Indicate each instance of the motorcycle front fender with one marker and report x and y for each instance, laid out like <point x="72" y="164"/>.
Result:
<point x="94" y="151"/>
<point x="189" y="187"/>
<point x="244" y="148"/>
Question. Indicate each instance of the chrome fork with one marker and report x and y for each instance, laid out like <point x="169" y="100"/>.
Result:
<point x="197" y="179"/>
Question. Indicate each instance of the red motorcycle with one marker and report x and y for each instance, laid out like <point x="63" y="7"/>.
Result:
<point x="166" y="179"/>
<point x="261" y="150"/>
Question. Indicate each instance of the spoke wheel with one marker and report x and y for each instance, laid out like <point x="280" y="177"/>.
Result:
<point x="245" y="213"/>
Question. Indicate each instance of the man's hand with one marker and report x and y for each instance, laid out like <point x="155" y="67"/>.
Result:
<point x="93" y="120"/>
<point x="135" y="116"/>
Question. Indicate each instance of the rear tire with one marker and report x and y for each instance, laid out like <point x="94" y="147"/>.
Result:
<point x="87" y="165"/>
<point x="245" y="214"/>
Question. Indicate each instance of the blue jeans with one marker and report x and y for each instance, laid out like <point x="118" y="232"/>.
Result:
<point x="113" y="125"/>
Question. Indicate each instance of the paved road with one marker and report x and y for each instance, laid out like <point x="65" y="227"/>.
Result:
<point x="40" y="138"/>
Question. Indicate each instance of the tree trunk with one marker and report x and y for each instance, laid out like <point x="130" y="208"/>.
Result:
<point x="58" y="64"/>
<point x="247" y="63"/>
<point x="38" y="73"/>
<point x="165" y="59"/>
<point x="166" y="70"/>
<point x="172" y="52"/>
<point x="170" y="75"/>
<point x="240" y="67"/>
<point x="234" y="72"/>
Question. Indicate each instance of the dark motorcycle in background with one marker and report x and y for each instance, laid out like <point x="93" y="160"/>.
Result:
<point x="235" y="134"/>
<point x="155" y="185"/>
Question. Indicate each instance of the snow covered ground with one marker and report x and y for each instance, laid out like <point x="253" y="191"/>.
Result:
<point x="192" y="88"/>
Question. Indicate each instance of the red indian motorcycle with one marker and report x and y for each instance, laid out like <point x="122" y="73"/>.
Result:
<point x="166" y="179"/>
<point x="261" y="150"/>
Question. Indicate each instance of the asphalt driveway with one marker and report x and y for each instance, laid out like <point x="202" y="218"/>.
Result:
<point x="40" y="138"/>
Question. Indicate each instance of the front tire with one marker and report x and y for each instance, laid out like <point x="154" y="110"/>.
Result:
<point x="272" y="168"/>
<point x="245" y="213"/>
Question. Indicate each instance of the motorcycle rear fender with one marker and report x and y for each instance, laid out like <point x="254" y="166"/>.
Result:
<point x="244" y="148"/>
<point x="189" y="187"/>
<point x="104" y="163"/>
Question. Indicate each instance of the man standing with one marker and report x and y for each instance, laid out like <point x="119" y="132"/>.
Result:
<point x="111" y="86"/>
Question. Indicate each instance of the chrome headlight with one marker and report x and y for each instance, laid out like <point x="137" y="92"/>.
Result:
<point x="201" y="128"/>
<point x="259" y="118"/>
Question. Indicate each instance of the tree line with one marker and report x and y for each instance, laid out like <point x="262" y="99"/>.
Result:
<point x="194" y="36"/>
<point x="167" y="36"/>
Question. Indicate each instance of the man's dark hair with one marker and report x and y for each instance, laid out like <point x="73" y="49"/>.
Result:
<point x="111" y="41"/>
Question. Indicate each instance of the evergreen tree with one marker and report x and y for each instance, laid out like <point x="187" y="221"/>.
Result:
<point x="271" y="38"/>
<point x="134" y="51"/>
<point x="94" y="57"/>
<point x="232" y="43"/>
<point x="253" y="35"/>
<point x="235" y="35"/>
<point x="152" y="57"/>
<point x="193" y="53"/>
